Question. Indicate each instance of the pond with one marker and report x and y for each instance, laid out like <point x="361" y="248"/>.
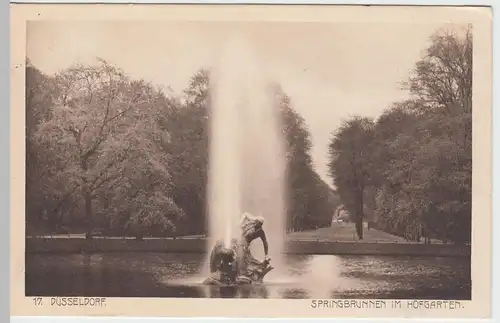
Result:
<point x="314" y="276"/>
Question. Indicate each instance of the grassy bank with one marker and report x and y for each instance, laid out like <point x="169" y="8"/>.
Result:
<point x="72" y="245"/>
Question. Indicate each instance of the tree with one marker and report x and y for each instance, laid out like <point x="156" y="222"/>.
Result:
<point x="187" y="148"/>
<point x="320" y="203"/>
<point x="443" y="77"/>
<point x="443" y="80"/>
<point x="102" y="129"/>
<point x="310" y="201"/>
<point x="298" y="159"/>
<point x="154" y="214"/>
<point x="349" y="166"/>
<point x="40" y="94"/>
<point x="422" y="148"/>
<point x="113" y="154"/>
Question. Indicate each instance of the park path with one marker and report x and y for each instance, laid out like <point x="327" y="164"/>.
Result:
<point x="344" y="232"/>
<point x="336" y="232"/>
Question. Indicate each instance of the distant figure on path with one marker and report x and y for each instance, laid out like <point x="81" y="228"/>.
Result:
<point x="340" y="214"/>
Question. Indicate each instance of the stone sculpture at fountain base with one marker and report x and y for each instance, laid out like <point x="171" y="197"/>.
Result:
<point x="235" y="265"/>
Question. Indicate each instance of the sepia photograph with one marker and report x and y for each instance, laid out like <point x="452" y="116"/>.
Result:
<point x="189" y="159"/>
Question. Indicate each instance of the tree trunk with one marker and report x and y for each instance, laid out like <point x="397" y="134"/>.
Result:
<point x="360" y="215"/>
<point x="87" y="197"/>
<point x="359" y="229"/>
<point x="88" y="214"/>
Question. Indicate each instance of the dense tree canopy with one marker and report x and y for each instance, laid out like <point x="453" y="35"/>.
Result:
<point x="109" y="153"/>
<point x="418" y="158"/>
<point x="311" y="202"/>
<point x="350" y="165"/>
<point x="102" y="138"/>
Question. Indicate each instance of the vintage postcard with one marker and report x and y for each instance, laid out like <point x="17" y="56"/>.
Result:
<point x="251" y="161"/>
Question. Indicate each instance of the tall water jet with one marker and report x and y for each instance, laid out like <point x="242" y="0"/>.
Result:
<point x="247" y="159"/>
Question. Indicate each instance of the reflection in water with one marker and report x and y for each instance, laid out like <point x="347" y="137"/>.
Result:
<point x="257" y="291"/>
<point x="178" y="275"/>
<point x="322" y="273"/>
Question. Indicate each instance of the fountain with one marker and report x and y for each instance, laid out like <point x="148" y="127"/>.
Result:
<point x="247" y="159"/>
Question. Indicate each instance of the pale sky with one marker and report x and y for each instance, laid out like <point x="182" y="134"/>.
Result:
<point x="330" y="70"/>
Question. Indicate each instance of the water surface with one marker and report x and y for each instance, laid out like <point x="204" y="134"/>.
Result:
<point x="180" y="275"/>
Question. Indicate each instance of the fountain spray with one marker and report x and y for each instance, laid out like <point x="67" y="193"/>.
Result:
<point x="247" y="159"/>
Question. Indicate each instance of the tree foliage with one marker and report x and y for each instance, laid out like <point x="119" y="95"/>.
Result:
<point x="113" y="154"/>
<point x="419" y="152"/>
<point x="350" y="152"/>
<point x="102" y="137"/>
<point x="311" y="202"/>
